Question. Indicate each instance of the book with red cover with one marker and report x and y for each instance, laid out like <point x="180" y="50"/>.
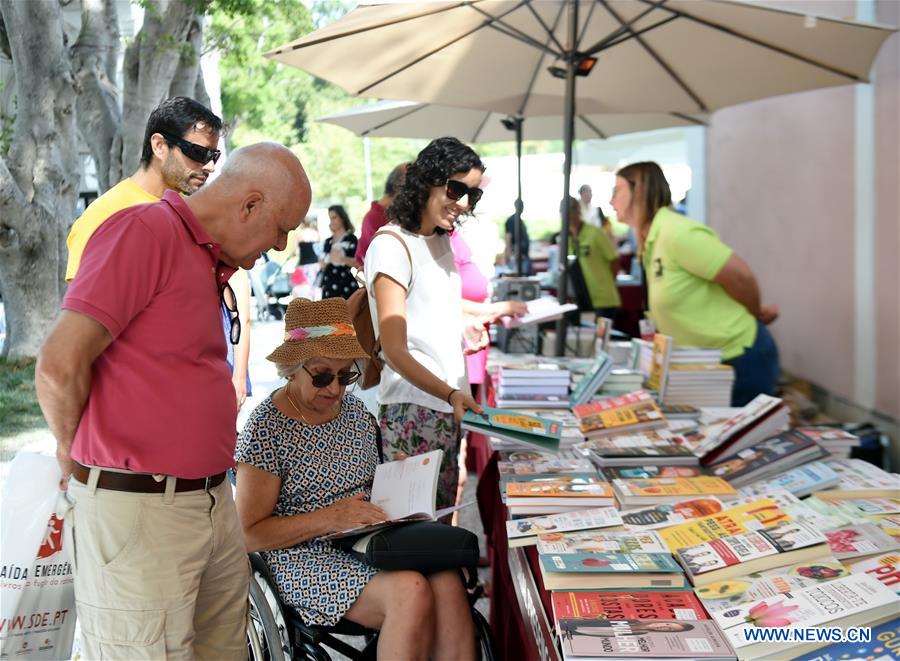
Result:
<point x="615" y="415"/>
<point x="630" y="605"/>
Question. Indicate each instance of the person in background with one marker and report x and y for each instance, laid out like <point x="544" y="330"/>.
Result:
<point x="700" y="292"/>
<point x="179" y="153"/>
<point x="339" y="255"/>
<point x="376" y="217"/>
<point x="415" y="298"/>
<point x="598" y="260"/>
<point x="589" y="213"/>
<point x="509" y="253"/>
<point x="133" y="382"/>
<point x="307" y="253"/>
<point x="306" y="462"/>
<point x="238" y="354"/>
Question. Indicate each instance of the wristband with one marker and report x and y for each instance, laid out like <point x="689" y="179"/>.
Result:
<point x="451" y="395"/>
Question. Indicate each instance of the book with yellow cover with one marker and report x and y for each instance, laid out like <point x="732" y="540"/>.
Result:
<point x="669" y="489"/>
<point x="614" y="415"/>
<point x="577" y="494"/>
<point x="733" y="521"/>
<point x="662" y="350"/>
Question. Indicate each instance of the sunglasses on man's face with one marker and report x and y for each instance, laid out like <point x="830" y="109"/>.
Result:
<point x="192" y="150"/>
<point x="456" y="190"/>
<point x="324" y="379"/>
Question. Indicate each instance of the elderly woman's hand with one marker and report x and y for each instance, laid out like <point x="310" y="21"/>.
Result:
<point x="353" y="512"/>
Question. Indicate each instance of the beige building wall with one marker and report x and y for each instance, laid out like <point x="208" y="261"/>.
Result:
<point x="782" y="180"/>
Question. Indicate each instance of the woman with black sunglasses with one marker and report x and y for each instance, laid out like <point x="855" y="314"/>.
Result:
<point x="305" y="463"/>
<point x="415" y="299"/>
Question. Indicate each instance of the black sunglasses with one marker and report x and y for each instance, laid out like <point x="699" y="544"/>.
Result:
<point x="192" y="150"/>
<point x="230" y="306"/>
<point x="456" y="190"/>
<point x="324" y="379"/>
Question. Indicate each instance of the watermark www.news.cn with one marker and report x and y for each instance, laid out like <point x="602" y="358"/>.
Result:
<point x="809" y="635"/>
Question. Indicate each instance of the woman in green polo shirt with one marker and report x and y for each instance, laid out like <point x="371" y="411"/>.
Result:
<point x="700" y="292"/>
<point x="598" y="260"/>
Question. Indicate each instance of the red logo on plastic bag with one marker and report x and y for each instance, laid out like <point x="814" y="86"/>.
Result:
<point x="52" y="538"/>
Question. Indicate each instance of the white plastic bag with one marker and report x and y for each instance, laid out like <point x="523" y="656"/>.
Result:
<point x="37" y="596"/>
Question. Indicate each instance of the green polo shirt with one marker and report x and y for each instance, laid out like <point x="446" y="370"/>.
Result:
<point x="681" y="258"/>
<point x="595" y="256"/>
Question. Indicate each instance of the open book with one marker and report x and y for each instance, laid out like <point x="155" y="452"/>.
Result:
<point x="541" y="309"/>
<point x="406" y="490"/>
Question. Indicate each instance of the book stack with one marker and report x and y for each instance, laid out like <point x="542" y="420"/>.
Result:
<point x="800" y="481"/>
<point x="688" y="375"/>
<point x="533" y="386"/>
<point x="557" y="495"/>
<point x="775" y="455"/>
<point x="617" y="415"/>
<point x="650" y="448"/>
<point x="621" y="381"/>
<point x="860" y="479"/>
<point x="632" y="493"/>
<point x="761" y="418"/>
<point x="836" y="441"/>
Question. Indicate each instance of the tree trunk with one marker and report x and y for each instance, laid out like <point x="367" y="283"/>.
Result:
<point x="184" y="82"/>
<point x="39" y="179"/>
<point x="94" y="61"/>
<point x="150" y="64"/>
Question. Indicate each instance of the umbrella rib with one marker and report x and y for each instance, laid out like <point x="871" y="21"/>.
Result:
<point x="584" y="27"/>
<point x="395" y="119"/>
<point x="487" y="116"/>
<point x="683" y="85"/>
<point x="688" y="118"/>
<point x="546" y="27"/>
<point x="497" y="24"/>
<point x="617" y="34"/>
<point x="594" y="128"/>
<point x="763" y="44"/>
<point x="539" y="64"/>
<point x="622" y="38"/>
<point x="456" y="38"/>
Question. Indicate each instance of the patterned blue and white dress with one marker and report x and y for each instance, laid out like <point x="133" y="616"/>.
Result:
<point x="318" y="465"/>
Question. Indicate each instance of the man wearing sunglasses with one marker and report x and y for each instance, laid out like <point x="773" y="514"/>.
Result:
<point x="133" y="382"/>
<point x="179" y="153"/>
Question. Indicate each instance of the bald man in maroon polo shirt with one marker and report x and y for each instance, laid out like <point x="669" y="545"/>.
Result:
<point x="134" y="385"/>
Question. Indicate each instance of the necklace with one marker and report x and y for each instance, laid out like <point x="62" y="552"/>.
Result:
<point x="287" y="392"/>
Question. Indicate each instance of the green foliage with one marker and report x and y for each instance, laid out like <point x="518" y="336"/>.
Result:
<point x="19" y="410"/>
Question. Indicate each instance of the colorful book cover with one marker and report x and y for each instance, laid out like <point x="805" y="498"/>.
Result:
<point x="599" y="517"/>
<point x="575" y="488"/>
<point x="645" y="444"/>
<point x="884" y="567"/>
<point x="740" y="468"/>
<point x="665" y="515"/>
<point x="606" y="563"/>
<point x="859" y="475"/>
<point x="703" y="485"/>
<point x="891" y="525"/>
<point x="620" y="605"/>
<point x="600" y="542"/>
<point x="800" y="481"/>
<point x="721" y="596"/>
<point x="876" y="506"/>
<point x="659" y="368"/>
<point x="734" y="521"/>
<point x="884" y="645"/>
<point x="815" y="606"/>
<point x="620" y="413"/>
<point x="611" y="473"/>
<point x="757" y="409"/>
<point x="545" y="467"/>
<point x="642" y="639"/>
<point x="513" y="426"/>
<point x="858" y="541"/>
<point x="826" y="515"/>
<point x="783" y="537"/>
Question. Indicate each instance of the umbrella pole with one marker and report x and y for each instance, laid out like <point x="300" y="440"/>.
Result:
<point x="568" y="134"/>
<point x="517" y="230"/>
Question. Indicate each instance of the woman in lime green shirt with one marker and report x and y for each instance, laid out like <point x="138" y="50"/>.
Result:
<point x="700" y="292"/>
<point x="598" y="260"/>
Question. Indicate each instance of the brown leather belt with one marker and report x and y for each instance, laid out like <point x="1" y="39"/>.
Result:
<point x="143" y="483"/>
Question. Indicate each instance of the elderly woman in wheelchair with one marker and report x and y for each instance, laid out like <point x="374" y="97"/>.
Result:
<point x="305" y="463"/>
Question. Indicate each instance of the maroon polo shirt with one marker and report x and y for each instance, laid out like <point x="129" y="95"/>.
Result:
<point x="373" y="221"/>
<point x="161" y="396"/>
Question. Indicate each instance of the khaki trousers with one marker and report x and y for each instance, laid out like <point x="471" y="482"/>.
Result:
<point x="158" y="576"/>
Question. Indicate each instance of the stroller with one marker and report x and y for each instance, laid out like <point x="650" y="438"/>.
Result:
<point x="271" y="284"/>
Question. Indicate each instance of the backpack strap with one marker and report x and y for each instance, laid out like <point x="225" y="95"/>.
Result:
<point x="402" y="243"/>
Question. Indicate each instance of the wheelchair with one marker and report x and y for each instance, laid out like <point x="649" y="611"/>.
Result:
<point x="276" y="632"/>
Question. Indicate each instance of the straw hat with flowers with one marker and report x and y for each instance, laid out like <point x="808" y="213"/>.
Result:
<point x="317" y="329"/>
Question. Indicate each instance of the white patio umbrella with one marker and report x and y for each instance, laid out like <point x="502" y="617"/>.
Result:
<point x="408" y="119"/>
<point x="521" y="57"/>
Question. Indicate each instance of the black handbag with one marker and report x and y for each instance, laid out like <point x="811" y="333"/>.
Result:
<point x="423" y="546"/>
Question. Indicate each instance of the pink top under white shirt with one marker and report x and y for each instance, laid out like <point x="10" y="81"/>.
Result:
<point x="474" y="288"/>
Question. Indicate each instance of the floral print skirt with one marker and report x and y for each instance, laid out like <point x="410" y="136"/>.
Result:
<point x="414" y="429"/>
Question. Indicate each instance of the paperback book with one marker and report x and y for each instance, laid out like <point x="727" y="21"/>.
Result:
<point x="671" y="489"/>
<point x="666" y="515"/>
<point x="761" y="418"/>
<point x="721" y="596"/>
<point x="860" y="479"/>
<point x="800" y="481"/>
<point x="576" y="571"/>
<point x="574" y="493"/>
<point x="600" y="542"/>
<point x="884" y="567"/>
<point x="631" y="449"/>
<point x="854" y="600"/>
<point x="882" y="646"/>
<point x="646" y="472"/>
<point x="785" y="543"/>
<point x="774" y="455"/>
<point x="850" y="543"/>
<point x="528" y="430"/>
<point x="545" y="308"/>
<point x="614" y="415"/>
<point x="524" y="532"/>
<point x="590" y="383"/>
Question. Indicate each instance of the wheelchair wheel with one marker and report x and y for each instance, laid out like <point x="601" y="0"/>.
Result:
<point x="484" y="639"/>
<point x="266" y="638"/>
